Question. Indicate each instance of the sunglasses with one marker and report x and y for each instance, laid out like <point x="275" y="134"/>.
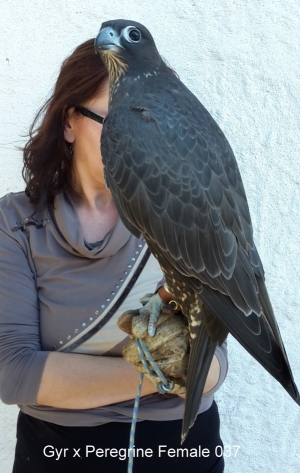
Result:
<point x="87" y="113"/>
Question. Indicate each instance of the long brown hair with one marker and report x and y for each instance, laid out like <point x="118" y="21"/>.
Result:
<point x="47" y="159"/>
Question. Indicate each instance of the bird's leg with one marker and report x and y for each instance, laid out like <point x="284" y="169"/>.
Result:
<point x="153" y="305"/>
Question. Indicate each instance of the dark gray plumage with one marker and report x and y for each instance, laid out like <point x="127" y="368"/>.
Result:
<point x="174" y="178"/>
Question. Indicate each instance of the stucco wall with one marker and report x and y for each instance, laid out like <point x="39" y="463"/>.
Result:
<point x="241" y="58"/>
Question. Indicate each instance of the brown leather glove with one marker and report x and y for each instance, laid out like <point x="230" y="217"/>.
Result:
<point x="169" y="347"/>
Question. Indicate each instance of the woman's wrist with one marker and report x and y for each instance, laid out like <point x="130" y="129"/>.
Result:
<point x="165" y="295"/>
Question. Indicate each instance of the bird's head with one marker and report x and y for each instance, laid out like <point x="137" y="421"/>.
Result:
<point x="125" y="45"/>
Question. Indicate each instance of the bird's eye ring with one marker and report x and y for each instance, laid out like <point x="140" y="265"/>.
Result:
<point x="134" y="35"/>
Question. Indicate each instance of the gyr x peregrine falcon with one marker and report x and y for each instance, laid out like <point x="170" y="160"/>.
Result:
<point x="174" y="179"/>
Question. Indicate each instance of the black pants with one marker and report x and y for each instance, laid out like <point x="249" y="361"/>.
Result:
<point x="82" y="449"/>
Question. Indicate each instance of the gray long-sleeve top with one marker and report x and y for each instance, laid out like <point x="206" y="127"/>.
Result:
<point x="59" y="293"/>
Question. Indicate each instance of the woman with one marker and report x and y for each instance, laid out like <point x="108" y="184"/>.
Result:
<point x="69" y="268"/>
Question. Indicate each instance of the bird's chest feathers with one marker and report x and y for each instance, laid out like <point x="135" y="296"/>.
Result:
<point x="137" y="88"/>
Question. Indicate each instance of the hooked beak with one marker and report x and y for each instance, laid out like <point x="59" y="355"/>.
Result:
<point x="107" y="39"/>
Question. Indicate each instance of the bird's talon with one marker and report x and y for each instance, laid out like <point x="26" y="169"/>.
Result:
<point x="152" y="304"/>
<point x="151" y="330"/>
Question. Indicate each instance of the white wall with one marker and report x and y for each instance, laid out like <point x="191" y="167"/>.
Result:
<point x="241" y="58"/>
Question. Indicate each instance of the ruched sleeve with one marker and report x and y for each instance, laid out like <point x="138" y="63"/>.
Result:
<point x="21" y="359"/>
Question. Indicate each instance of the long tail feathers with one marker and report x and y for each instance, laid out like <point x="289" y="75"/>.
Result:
<point x="201" y="355"/>
<point x="259" y="335"/>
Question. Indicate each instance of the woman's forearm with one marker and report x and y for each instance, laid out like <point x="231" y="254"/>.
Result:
<point x="75" y="381"/>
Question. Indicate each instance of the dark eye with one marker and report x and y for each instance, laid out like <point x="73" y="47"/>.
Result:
<point x="135" y="35"/>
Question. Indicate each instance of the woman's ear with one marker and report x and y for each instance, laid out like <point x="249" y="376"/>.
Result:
<point x="69" y="134"/>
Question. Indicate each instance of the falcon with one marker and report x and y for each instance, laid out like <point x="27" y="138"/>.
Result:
<point x="174" y="179"/>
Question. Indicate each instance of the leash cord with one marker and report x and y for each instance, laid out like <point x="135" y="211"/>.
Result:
<point x="163" y="386"/>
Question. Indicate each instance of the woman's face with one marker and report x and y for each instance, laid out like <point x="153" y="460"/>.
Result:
<point x="84" y="134"/>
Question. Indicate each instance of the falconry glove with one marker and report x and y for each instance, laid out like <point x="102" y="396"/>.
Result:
<point x="169" y="347"/>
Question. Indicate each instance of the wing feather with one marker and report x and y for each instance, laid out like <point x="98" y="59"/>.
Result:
<point x="169" y="153"/>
